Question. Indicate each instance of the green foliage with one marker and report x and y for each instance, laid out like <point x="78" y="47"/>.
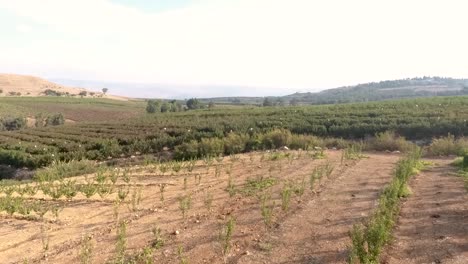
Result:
<point x="188" y="150"/>
<point x="153" y="106"/>
<point x="226" y="236"/>
<point x="180" y="254"/>
<point x="158" y="239"/>
<point x="448" y="145"/>
<point x="267" y="207"/>
<point x="389" y="141"/>
<point x="465" y="161"/>
<point x="277" y="138"/>
<point x="235" y="143"/>
<point x="85" y="253"/>
<point x="353" y="152"/>
<point x="383" y="90"/>
<point x="369" y="239"/>
<point x="258" y="185"/>
<point x="286" y="197"/>
<point x="194" y="103"/>
<point x="211" y="147"/>
<point x="208" y="201"/>
<point x="241" y="129"/>
<point x="13" y="123"/>
<point x="121" y="243"/>
<point x="55" y="120"/>
<point x="185" y="203"/>
<point x="59" y="170"/>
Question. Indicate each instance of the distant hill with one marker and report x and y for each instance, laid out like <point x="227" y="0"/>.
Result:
<point x="384" y="90"/>
<point x="374" y="91"/>
<point x="31" y="86"/>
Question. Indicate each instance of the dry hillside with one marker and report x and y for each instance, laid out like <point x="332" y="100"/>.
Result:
<point x="12" y="84"/>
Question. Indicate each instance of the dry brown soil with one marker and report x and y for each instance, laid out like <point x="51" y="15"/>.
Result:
<point x="433" y="223"/>
<point x="313" y="230"/>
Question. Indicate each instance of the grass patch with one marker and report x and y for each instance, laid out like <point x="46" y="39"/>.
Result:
<point x="59" y="170"/>
<point x="462" y="164"/>
<point x="254" y="186"/>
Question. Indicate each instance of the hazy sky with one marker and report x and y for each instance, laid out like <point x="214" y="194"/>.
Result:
<point x="294" y="45"/>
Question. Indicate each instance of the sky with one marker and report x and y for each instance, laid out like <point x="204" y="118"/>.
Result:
<point x="244" y="47"/>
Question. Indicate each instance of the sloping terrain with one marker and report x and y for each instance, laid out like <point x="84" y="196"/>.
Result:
<point x="433" y="223"/>
<point x="373" y="91"/>
<point x="31" y="86"/>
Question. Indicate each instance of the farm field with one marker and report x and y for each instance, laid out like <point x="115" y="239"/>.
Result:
<point x="287" y="207"/>
<point x="233" y="132"/>
<point x="194" y="134"/>
<point x="305" y="184"/>
<point x="199" y="231"/>
<point x="74" y="109"/>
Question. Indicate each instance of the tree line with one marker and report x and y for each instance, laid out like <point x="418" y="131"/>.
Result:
<point x="160" y="106"/>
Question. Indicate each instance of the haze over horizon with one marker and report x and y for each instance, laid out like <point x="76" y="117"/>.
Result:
<point x="208" y="48"/>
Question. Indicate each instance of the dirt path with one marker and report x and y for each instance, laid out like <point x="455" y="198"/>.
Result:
<point x="319" y="233"/>
<point x="433" y="223"/>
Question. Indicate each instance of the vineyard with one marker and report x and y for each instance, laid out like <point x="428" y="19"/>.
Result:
<point x="74" y="109"/>
<point x="200" y="133"/>
<point x="241" y="185"/>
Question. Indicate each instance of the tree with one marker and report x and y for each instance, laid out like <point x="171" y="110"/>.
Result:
<point x="193" y="103"/>
<point x="165" y="107"/>
<point x="14" y="123"/>
<point x="267" y="102"/>
<point x="211" y="105"/>
<point x="105" y="90"/>
<point x="153" y="106"/>
<point x="83" y="93"/>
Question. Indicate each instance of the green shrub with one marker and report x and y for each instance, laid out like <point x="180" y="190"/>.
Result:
<point x="13" y="123"/>
<point x="305" y="142"/>
<point x="187" y="151"/>
<point x="389" y="141"/>
<point x="210" y="147"/>
<point x="465" y="161"/>
<point x="235" y="143"/>
<point x="59" y="170"/>
<point x="277" y="138"/>
<point x="55" y="120"/>
<point x="448" y="145"/>
<point x="110" y="148"/>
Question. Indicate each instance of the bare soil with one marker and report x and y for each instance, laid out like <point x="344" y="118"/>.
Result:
<point x="433" y="222"/>
<point x="313" y="230"/>
<point x="318" y="233"/>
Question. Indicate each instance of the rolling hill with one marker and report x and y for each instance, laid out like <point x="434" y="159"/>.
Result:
<point x="32" y="86"/>
<point x="384" y="90"/>
<point x="24" y="85"/>
<point x="26" y="96"/>
<point x="374" y="91"/>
